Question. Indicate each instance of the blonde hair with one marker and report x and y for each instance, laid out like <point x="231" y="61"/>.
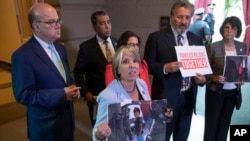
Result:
<point x="123" y="50"/>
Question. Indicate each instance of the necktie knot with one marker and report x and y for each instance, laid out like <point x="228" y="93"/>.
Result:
<point x="51" y="47"/>
<point x="179" y="39"/>
<point x="105" y="42"/>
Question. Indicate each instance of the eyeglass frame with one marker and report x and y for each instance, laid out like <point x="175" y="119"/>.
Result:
<point x="230" y="28"/>
<point x="133" y="44"/>
<point x="51" y="23"/>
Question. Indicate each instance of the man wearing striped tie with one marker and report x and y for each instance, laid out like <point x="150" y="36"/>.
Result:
<point x="168" y="82"/>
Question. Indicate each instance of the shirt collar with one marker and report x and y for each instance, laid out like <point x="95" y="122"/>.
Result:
<point x="100" y="40"/>
<point x="184" y="35"/>
<point x="41" y="42"/>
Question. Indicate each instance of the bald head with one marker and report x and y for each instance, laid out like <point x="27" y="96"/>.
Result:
<point x="45" y="22"/>
<point x="38" y="11"/>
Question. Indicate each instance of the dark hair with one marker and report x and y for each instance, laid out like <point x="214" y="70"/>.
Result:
<point x="136" y="110"/>
<point x="95" y="15"/>
<point x="123" y="40"/>
<point x="182" y="3"/>
<point x="234" y="22"/>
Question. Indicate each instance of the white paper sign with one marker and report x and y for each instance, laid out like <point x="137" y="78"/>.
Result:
<point x="194" y="60"/>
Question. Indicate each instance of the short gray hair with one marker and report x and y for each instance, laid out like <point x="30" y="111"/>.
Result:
<point x="123" y="50"/>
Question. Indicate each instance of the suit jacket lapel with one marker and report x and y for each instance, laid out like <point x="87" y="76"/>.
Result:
<point x="39" y="51"/>
<point x="170" y="37"/>
<point x="240" y="48"/>
<point x="97" y="49"/>
<point x="114" y="43"/>
<point x="64" y="62"/>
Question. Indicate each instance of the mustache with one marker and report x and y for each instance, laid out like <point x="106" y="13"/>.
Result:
<point x="183" y="25"/>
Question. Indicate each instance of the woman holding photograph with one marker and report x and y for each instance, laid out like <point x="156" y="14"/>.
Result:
<point x="130" y="39"/>
<point x="126" y="86"/>
<point x="222" y="97"/>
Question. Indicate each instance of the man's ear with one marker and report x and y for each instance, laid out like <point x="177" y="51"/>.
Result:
<point x="35" y="26"/>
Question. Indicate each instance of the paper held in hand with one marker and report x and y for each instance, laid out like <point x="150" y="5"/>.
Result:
<point x="236" y="68"/>
<point x="130" y="120"/>
<point x="194" y="60"/>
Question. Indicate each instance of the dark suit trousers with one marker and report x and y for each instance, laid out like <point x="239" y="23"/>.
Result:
<point x="181" y="122"/>
<point x="218" y="112"/>
<point x="63" y="127"/>
<point x="91" y="114"/>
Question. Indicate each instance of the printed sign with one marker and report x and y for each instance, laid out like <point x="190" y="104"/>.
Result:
<point x="194" y="60"/>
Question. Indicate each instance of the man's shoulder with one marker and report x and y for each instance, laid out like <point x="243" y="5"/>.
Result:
<point x="161" y="33"/>
<point x="196" y="40"/>
<point x="89" y="43"/>
<point x="192" y="35"/>
<point x="28" y="44"/>
<point x="94" y="40"/>
<point x="91" y="40"/>
<point x="200" y="23"/>
<point x="114" y="39"/>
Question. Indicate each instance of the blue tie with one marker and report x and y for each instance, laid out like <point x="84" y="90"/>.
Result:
<point x="186" y="81"/>
<point x="57" y="61"/>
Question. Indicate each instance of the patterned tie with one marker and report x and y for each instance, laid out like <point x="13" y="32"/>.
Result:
<point x="108" y="52"/>
<point x="185" y="80"/>
<point x="179" y="37"/>
<point x="57" y="61"/>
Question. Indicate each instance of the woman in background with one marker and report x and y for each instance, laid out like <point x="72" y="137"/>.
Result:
<point x="130" y="39"/>
<point x="126" y="86"/>
<point x="222" y="97"/>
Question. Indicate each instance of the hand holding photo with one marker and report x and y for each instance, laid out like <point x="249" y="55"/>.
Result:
<point x="236" y="69"/>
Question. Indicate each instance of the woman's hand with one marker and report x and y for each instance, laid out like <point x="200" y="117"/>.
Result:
<point x="240" y="83"/>
<point x="200" y="79"/>
<point x="103" y="131"/>
<point x="218" y="79"/>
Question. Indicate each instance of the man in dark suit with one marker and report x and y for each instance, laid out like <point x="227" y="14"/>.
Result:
<point x="163" y="65"/>
<point x="38" y="83"/>
<point x="89" y="71"/>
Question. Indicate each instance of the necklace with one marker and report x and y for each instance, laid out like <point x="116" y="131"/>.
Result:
<point x="131" y="90"/>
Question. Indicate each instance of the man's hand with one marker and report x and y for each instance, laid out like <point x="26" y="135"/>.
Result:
<point x="218" y="78"/>
<point x="90" y="99"/>
<point x="172" y="66"/>
<point x="72" y="92"/>
<point x="200" y="79"/>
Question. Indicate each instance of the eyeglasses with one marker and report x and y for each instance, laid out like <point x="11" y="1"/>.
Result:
<point x="133" y="44"/>
<point x="230" y="28"/>
<point x="52" y="23"/>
